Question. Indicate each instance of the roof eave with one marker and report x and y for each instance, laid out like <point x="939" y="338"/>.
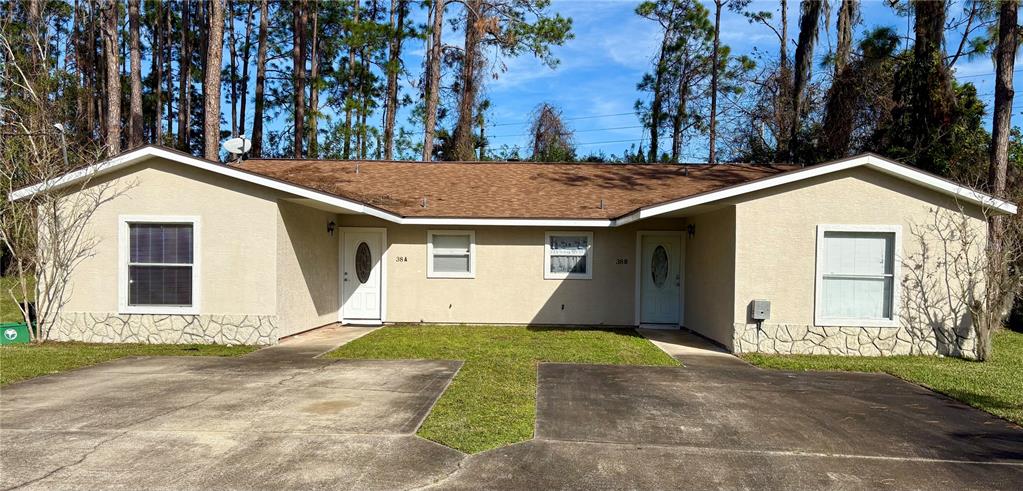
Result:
<point x="868" y="160"/>
<point x="872" y="161"/>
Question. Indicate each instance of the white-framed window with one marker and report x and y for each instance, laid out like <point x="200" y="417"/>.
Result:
<point x="159" y="265"/>
<point x="858" y="275"/>
<point x="568" y="256"/>
<point x="451" y="254"/>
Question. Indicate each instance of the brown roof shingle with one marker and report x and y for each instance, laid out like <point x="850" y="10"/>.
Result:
<point x="509" y="189"/>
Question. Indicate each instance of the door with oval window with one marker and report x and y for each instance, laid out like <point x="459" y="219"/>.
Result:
<point x="661" y="279"/>
<point x="361" y="275"/>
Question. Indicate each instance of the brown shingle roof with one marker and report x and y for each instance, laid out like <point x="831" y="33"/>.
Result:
<point x="509" y="189"/>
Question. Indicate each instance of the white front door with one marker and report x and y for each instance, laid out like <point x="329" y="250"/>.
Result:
<point x="660" y="279"/>
<point x="361" y="275"/>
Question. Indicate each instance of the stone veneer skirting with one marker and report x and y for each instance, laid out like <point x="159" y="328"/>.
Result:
<point x="108" y="327"/>
<point x="791" y="339"/>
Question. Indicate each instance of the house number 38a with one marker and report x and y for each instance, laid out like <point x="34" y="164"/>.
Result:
<point x="401" y="259"/>
<point x="621" y="260"/>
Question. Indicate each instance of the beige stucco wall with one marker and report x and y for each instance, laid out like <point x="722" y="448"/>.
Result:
<point x="509" y="286"/>
<point x="307" y="268"/>
<point x="238" y="222"/>
<point x="237" y="257"/>
<point x="776" y="237"/>
<point x="710" y="281"/>
<point x="269" y="268"/>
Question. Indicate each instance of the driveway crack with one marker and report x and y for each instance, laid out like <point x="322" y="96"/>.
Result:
<point x="84" y="456"/>
<point x="439" y="481"/>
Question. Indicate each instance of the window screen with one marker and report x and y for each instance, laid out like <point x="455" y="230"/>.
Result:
<point x="858" y="275"/>
<point x="160" y="264"/>
<point x="451" y="253"/>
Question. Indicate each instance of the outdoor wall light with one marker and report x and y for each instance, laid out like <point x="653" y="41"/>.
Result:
<point x="330" y="228"/>
<point x="691" y="230"/>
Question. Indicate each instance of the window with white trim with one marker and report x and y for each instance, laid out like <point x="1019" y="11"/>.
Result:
<point x="568" y="255"/>
<point x="856" y="275"/>
<point x="159" y="267"/>
<point x="451" y="254"/>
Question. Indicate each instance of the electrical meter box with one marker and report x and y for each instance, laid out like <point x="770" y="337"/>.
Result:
<point x="760" y="310"/>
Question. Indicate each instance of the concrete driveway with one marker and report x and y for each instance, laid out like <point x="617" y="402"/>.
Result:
<point x="281" y="419"/>
<point x="257" y="422"/>
<point x="719" y="423"/>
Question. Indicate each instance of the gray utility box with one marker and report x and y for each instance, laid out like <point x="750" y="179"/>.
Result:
<point x="760" y="310"/>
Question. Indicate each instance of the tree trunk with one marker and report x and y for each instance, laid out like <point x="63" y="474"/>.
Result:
<point x="782" y="96"/>
<point x="298" y="74"/>
<point x="113" y="81"/>
<point x="783" y="47"/>
<point x="76" y="41"/>
<point x="712" y="156"/>
<point x="433" y="82"/>
<point x="246" y="58"/>
<point x="655" y="105"/>
<point x="1005" y="57"/>
<point x="135" y="107"/>
<point x="393" y="69"/>
<point x="364" y="86"/>
<point x="808" y="21"/>
<point x="211" y="86"/>
<point x="350" y="95"/>
<point x="257" y="116"/>
<point x="185" y="80"/>
<point x="92" y="77"/>
<point x="680" y="114"/>
<point x="462" y="143"/>
<point x="202" y="15"/>
<point x="314" y="81"/>
<point x="157" y="66"/>
<point x="168" y="59"/>
<point x="846" y="18"/>
<point x="233" y="68"/>
<point x="932" y="99"/>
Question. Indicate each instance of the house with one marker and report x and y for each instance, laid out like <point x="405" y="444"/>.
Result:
<point x="250" y="252"/>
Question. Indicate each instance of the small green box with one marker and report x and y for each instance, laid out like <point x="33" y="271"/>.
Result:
<point x="14" y="333"/>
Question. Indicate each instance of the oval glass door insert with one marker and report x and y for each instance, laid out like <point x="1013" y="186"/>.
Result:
<point x="659" y="266"/>
<point x="363" y="262"/>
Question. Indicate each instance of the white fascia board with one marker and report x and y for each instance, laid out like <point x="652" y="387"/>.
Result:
<point x="216" y="168"/>
<point x="510" y="222"/>
<point x="84" y="173"/>
<point x="938" y="184"/>
<point x="879" y="164"/>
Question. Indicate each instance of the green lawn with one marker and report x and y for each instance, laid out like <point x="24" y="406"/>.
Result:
<point x="20" y="362"/>
<point x="8" y="307"/>
<point x="492" y="400"/>
<point x="995" y="386"/>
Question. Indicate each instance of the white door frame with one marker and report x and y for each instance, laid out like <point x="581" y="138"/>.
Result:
<point x="681" y="268"/>
<point x="341" y="273"/>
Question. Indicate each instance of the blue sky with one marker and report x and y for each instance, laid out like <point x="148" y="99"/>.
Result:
<point x="595" y="84"/>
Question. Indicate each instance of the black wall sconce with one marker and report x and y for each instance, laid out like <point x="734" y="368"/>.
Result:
<point x="691" y="230"/>
<point x="330" y="228"/>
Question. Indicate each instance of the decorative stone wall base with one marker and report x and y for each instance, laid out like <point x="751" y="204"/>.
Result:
<point x="790" y="339"/>
<point x="104" y="327"/>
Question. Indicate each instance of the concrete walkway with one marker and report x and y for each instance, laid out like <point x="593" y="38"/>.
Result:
<point x="310" y="344"/>
<point x="691" y="349"/>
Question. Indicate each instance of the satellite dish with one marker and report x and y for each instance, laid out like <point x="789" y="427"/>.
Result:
<point x="238" y="146"/>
